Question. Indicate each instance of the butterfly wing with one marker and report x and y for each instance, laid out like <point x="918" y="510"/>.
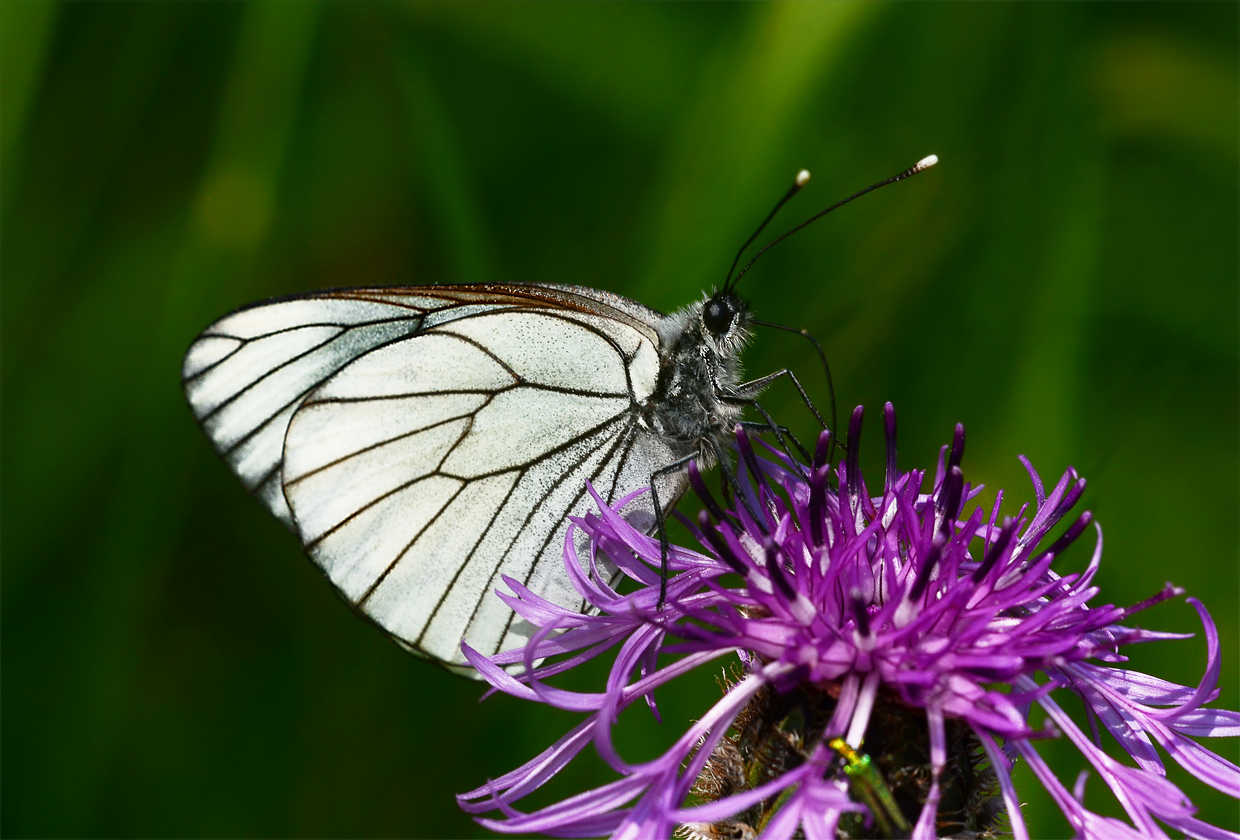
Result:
<point x="434" y="439"/>
<point x="248" y="372"/>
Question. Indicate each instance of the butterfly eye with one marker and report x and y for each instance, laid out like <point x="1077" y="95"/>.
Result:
<point x="718" y="315"/>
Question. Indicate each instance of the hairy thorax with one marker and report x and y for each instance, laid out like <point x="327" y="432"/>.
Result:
<point x="697" y="373"/>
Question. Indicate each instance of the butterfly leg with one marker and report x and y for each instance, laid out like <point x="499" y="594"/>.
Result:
<point x="826" y="370"/>
<point x="752" y="388"/>
<point x="660" y="519"/>
<point x="771" y="426"/>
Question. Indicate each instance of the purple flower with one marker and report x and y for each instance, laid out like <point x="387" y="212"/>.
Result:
<point x="890" y="647"/>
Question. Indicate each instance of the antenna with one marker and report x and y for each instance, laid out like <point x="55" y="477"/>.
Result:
<point x="799" y="181"/>
<point x="921" y="165"/>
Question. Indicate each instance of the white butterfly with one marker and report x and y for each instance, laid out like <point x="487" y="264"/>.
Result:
<point x="424" y="441"/>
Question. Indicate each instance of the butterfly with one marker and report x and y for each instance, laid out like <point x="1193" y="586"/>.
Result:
<point x="422" y="442"/>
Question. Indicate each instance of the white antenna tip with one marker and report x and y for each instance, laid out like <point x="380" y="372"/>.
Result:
<point x="802" y="178"/>
<point x="926" y="162"/>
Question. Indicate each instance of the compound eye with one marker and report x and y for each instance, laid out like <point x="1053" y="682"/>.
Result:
<point x="717" y="316"/>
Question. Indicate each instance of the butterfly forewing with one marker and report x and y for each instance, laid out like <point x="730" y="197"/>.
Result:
<point x="247" y="373"/>
<point x="428" y="442"/>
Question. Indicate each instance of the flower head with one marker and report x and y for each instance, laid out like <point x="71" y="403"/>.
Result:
<point x="890" y="649"/>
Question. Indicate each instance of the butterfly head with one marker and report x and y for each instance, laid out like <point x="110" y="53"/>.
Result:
<point x="725" y="322"/>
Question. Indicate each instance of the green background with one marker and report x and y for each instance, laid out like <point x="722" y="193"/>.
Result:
<point x="1064" y="283"/>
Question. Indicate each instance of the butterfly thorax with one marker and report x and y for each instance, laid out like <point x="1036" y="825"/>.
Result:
<point x="699" y="367"/>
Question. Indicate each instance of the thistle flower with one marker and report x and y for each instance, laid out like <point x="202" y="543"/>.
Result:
<point x="891" y="648"/>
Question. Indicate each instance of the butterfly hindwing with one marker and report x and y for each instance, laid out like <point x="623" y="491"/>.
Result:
<point x="425" y="470"/>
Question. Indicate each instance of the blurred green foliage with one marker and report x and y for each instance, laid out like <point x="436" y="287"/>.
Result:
<point x="1064" y="283"/>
